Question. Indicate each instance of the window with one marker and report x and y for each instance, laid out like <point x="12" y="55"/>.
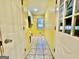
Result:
<point x="40" y="24"/>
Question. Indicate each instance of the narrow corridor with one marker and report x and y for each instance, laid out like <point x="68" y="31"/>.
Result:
<point x="39" y="29"/>
<point x="39" y="49"/>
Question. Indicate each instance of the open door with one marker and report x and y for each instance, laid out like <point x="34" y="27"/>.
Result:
<point x="1" y="46"/>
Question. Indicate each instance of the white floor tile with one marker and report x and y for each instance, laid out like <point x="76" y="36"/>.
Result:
<point x="47" y="52"/>
<point x="39" y="51"/>
<point x="30" y="57"/>
<point x="32" y="51"/>
<point x="48" y="57"/>
<point x="38" y="57"/>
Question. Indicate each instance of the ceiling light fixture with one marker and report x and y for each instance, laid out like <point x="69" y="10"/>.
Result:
<point x="35" y="10"/>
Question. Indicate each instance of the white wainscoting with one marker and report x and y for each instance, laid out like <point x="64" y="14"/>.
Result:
<point x="67" y="46"/>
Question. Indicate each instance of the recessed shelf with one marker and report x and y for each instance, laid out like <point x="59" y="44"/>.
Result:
<point x="77" y="26"/>
<point x="61" y="12"/>
<point x="60" y="25"/>
<point x="69" y="7"/>
<point x="68" y="16"/>
<point x="71" y="17"/>
<point x="68" y="25"/>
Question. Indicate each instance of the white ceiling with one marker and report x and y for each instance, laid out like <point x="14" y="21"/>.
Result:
<point x="41" y="5"/>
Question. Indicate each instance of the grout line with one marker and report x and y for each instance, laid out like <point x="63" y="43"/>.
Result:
<point x="28" y="54"/>
<point x="35" y="50"/>
<point x="43" y="52"/>
<point x="50" y="51"/>
<point x="35" y="54"/>
<point x="44" y="47"/>
<point x="40" y="54"/>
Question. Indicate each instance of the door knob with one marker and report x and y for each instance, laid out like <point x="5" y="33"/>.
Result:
<point x="7" y="41"/>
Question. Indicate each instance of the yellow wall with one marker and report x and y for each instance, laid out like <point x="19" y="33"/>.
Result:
<point x="50" y="22"/>
<point x="34" y="29"/>
<point x="27" y="31"/>
<point x="49" y="19"/>
<point x="50" y="28"/>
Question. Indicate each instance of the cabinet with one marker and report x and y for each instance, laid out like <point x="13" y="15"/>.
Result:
<point x="69" y="15"/>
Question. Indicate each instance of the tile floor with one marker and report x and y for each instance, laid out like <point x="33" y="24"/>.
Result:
<point x="39" y="49"/>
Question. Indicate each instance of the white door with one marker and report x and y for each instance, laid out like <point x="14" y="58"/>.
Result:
<point x="12" y="30"/>
<point x="1" y="46"/>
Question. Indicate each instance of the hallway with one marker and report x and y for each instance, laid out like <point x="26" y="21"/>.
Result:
<point x="39" y="49"/>
<point x="39" y="29"/>
<point x="21" y="19"/>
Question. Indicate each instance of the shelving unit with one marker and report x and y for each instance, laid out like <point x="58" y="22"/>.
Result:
<point x="68" y="16"/>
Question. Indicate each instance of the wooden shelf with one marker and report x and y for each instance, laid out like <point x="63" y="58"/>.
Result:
<point x="76" y="14"/>
<point x="65" y="0"/>
<point x="68" y="17"/>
